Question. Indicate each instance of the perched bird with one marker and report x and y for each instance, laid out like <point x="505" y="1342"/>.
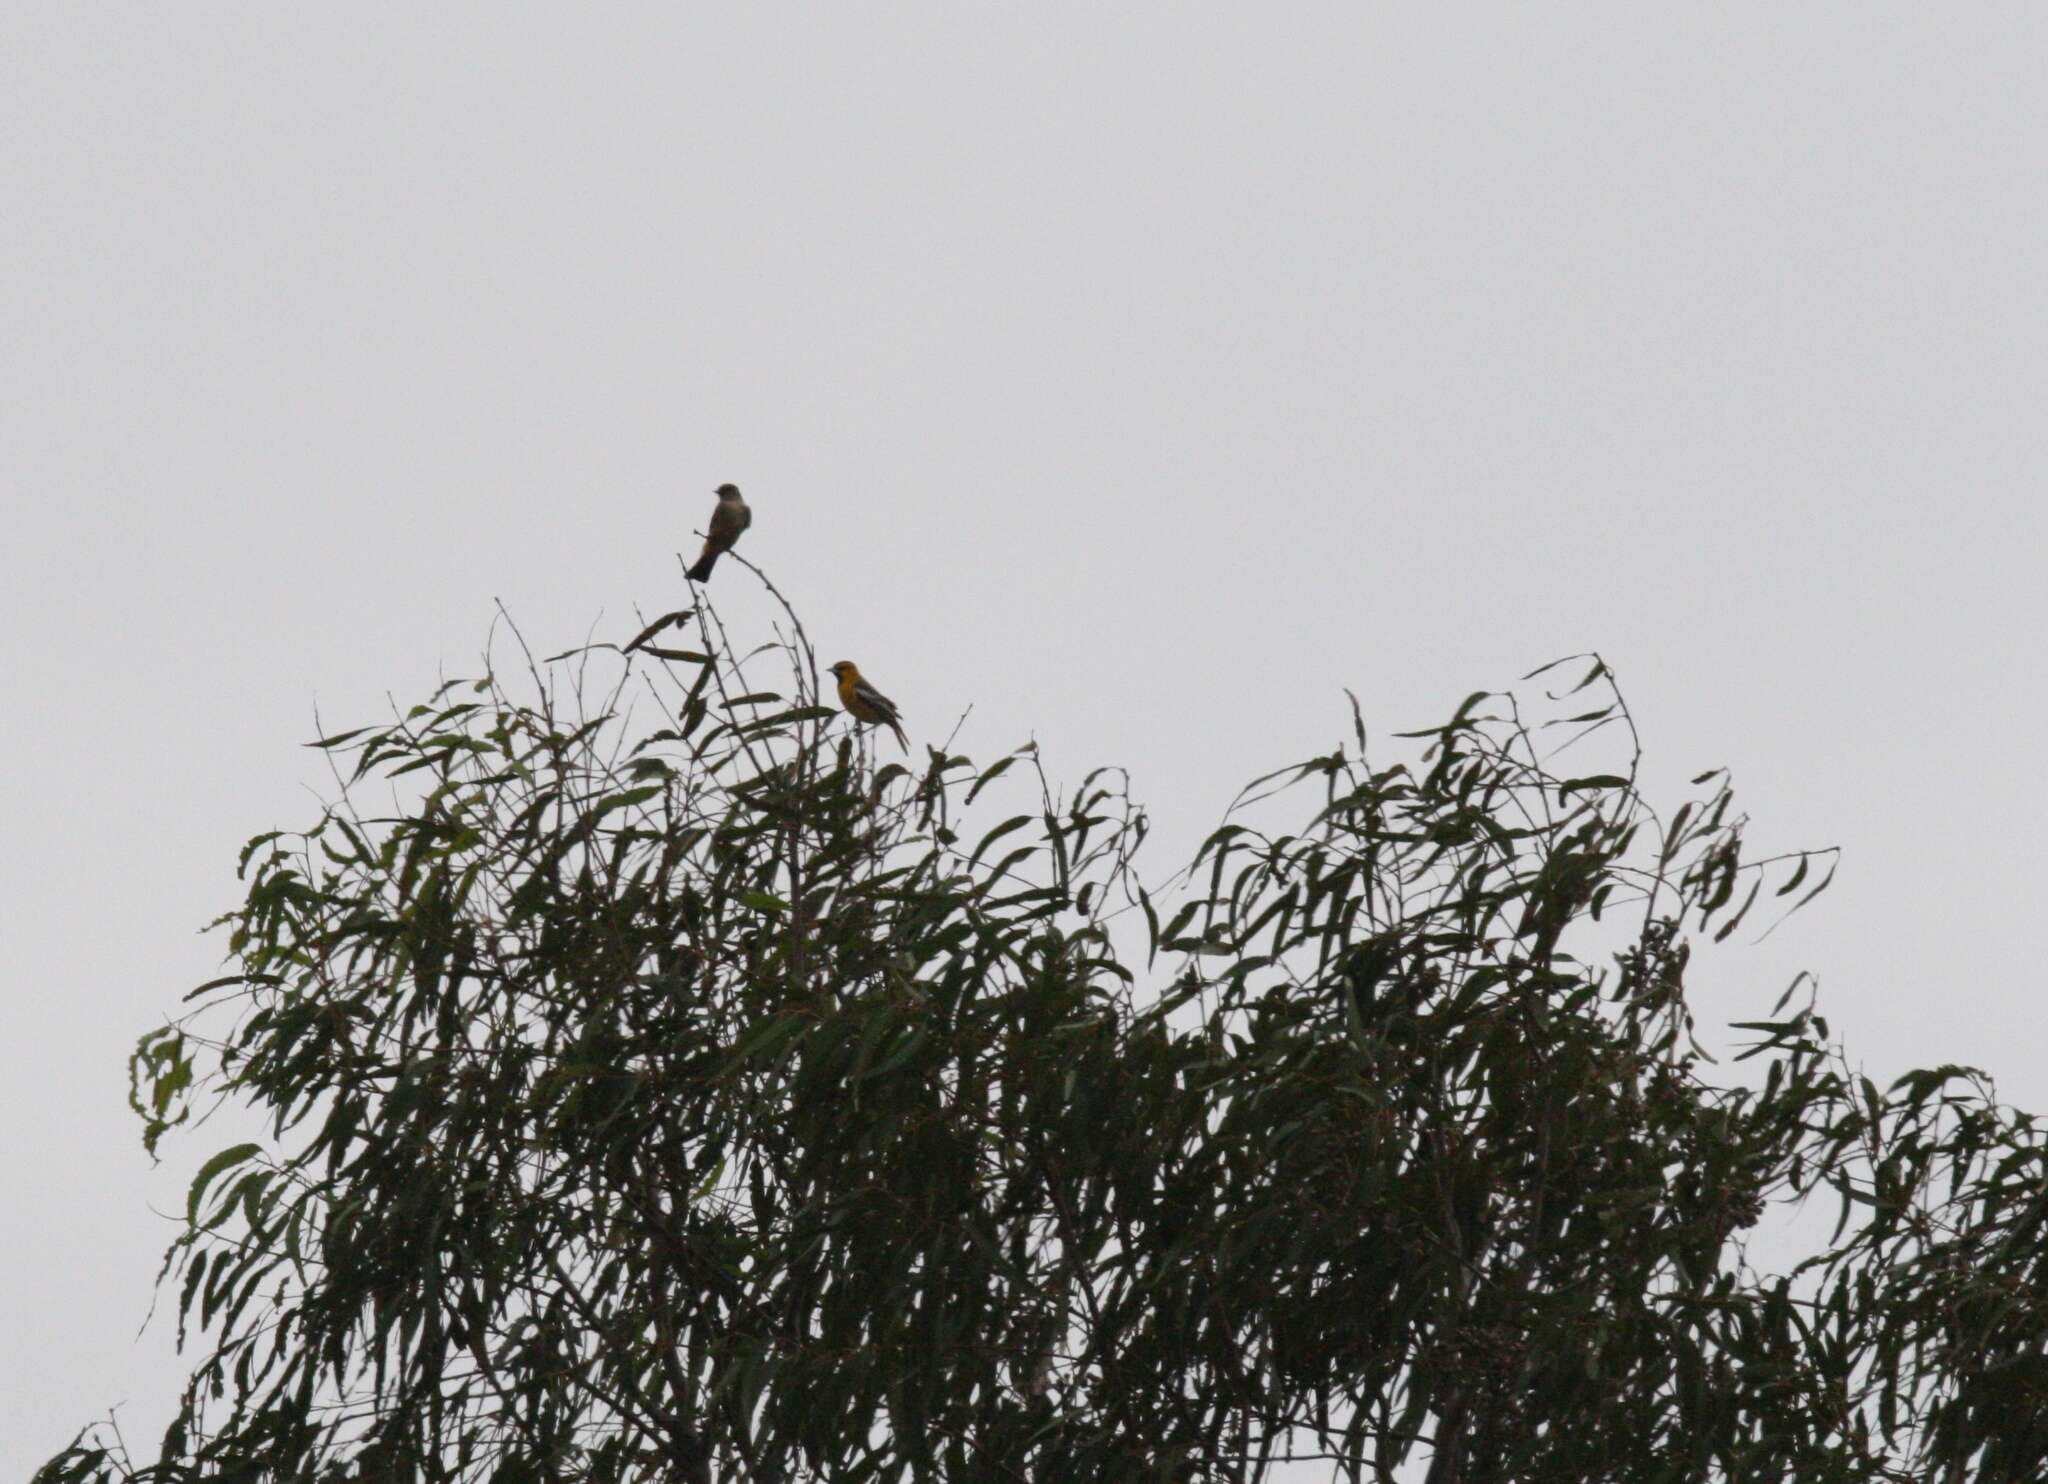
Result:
<point x="867" y="704"/>
<point x="727" y="521"/>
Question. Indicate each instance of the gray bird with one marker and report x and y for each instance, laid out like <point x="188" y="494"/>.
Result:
<point x="727" y="521"/>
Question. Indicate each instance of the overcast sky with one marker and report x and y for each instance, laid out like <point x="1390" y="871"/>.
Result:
<point x="1139" y="376"/>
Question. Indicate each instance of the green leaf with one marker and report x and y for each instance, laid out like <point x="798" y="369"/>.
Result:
<point x="629" y="798"/>
<point x="1008" y="826"/>
<point x="905" y="1047"/>
<point x="226" y="1159"/>
<point x="339" y="738"/>
<point x="766" y="1037"/>
<point x="1590" y="784"/>
<point x="995" y="771"/>
<point x="675" y="619"/>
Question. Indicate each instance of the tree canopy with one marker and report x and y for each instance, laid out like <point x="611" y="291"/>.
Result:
<point x="658" y="1083"/>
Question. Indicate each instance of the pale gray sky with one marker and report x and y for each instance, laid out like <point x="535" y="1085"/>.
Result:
<point x="1140" y="376"/>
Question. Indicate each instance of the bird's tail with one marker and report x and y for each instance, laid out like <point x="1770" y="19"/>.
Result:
<point x="702" y="571"/>
<point x="897" y="727"/>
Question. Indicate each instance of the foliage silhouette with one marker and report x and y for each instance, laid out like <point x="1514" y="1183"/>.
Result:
<point x="707" y="1101"/>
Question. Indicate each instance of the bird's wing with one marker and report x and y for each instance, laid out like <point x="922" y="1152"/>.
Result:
<point x="727" y="523"/>
<point x="875" y="698"/>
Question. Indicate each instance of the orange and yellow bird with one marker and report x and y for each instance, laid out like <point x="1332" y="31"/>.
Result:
<point x="865" y="703"/>
<point x="727" y="521"/>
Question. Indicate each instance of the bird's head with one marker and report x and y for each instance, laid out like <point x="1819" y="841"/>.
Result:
<point x="843" y="667"/>
<point x="727" y="492"/>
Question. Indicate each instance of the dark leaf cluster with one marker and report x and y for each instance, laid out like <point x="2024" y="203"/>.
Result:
<point x="692" y="1098"/>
